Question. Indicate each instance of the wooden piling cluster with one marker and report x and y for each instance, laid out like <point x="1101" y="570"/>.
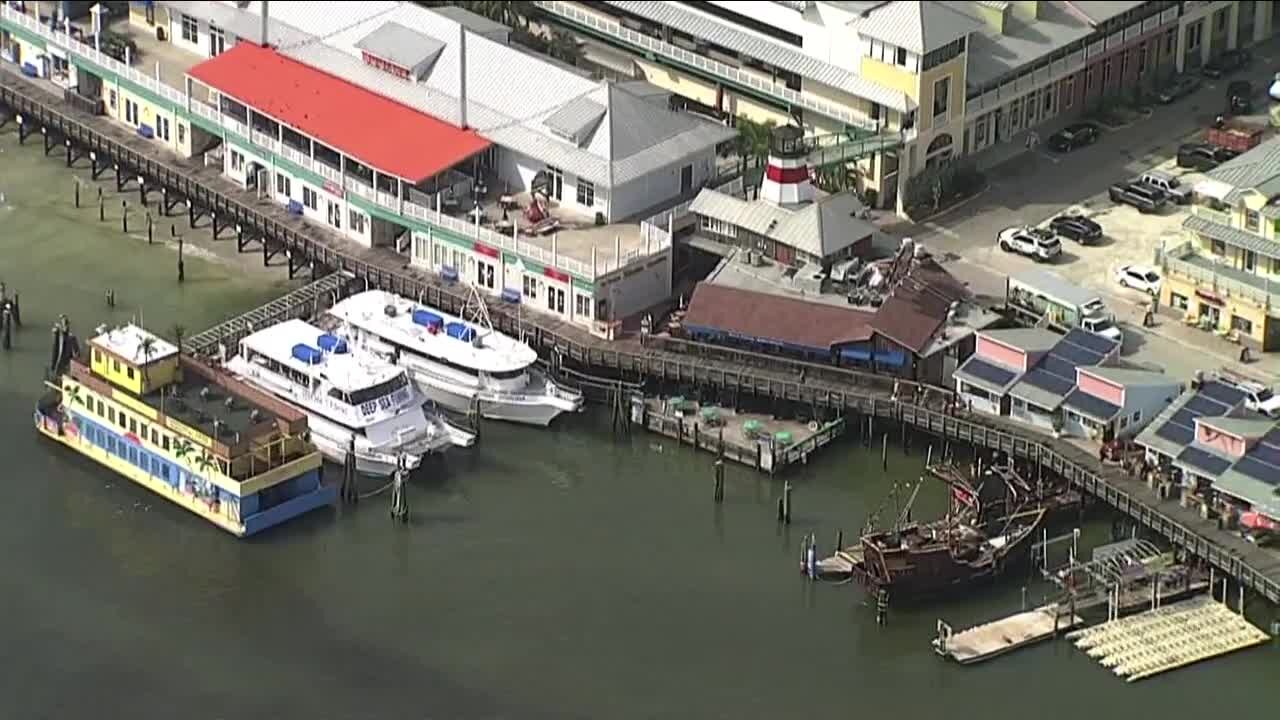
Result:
<point x="849" y="393"/>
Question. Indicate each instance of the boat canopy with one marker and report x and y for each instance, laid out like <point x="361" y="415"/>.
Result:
<point x="428" y="319"/>
<point x="461" y="331"/>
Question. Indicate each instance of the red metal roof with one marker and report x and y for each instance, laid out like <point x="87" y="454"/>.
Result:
<point x="774" y="318"/>
<point x="379" y="132"/>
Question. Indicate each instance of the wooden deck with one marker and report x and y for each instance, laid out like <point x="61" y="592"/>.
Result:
<point x="262" y="225"/>
<point x="990" y="640"/>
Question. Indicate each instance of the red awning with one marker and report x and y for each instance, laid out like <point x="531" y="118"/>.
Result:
<point x="378" y="132"/>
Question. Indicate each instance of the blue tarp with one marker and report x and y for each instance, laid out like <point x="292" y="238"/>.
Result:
<point x="331" y="343"/>
<point x="448" y="273"/>
<point x="896" y="358"/>
<point x="460" y="331"/>
<point x="511" y="295"/>
<point x="307" y="354"/>
<point x="428" y="319"/>
<point x="860" y="354"/>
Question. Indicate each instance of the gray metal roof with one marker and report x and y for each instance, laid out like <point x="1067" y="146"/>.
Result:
<point x="920" y="26"/>
<point x="1131" y="377"/>
<point x="766" y="49"/>
<point x="993" y="55"/>
<point x="1036" y="396"/>
<point x="510" y="93"/>
<point x="1100" y="11"/>
<point x="1149" y="438"/>
<point x="1028" y="340"/>
<point x="1232" y="236"/>
<point x="398" y="44"/>
<point x="822" y="228"/>
<point x="1261" y="495"/>
<point x="1054" y="286"/>
<point x="1250" y="169"/>
<point x="975" y="368"/>
<point x="1091" y="406"/>
<point x="576" y="120"/>
<point x="478" y="24"/>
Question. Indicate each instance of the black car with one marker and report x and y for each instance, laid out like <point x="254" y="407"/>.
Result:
<point x="1203" y="156"/>
<point x="1076" y="227"/>
<point x="1227" y="63"/>
<point x="1073" y="136"/>
<point x="1239" y="97"/>
<point x="1180" y="87"/>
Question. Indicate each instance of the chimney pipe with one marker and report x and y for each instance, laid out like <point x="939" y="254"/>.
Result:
<point x="265" y="42"/>
<point x="462" y="76"/>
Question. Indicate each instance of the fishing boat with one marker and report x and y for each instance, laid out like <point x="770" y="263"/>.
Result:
<point x="355" y="401"/>
<point x="460" y="364"/>
<point x="187" y="432"/>
<point x="915" y="560"/>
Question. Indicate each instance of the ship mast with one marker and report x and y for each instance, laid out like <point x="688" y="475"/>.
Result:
<point x="476" y="310"/>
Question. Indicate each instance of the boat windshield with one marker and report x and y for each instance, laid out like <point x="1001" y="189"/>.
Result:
<point x="508" y="375"/>
<point x="373" y="392"/>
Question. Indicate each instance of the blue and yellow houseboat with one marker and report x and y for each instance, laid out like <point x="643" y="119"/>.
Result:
<point x="188" y="432"/>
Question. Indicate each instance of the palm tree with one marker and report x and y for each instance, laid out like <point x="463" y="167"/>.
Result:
<point x="182" y="449"/>
<point x="753" y="138"/>
<point x="179" y="333"/>
<point x="147" y="349"/>
<point x="72" y="392"/>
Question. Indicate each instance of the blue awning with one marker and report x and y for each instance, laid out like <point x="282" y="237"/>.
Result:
<point x="855" y="354"/>
<point x="896" y="358"/>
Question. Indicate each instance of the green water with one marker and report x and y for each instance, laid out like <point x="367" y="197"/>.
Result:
<point x="558" y="573"/>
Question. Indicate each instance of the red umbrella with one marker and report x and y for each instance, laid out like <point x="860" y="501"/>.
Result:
<point x="1257" y="521"/>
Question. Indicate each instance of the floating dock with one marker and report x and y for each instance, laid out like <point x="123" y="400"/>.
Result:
<point x="1168" y="638"/>
<point x="765" y="443"/>
<point x="984" y="642"/>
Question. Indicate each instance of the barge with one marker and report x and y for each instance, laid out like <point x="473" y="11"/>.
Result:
<point x="189" y="433"/>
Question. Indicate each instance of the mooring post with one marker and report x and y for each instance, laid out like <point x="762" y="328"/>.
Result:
<point x="67" y="142"/>
<point x="102" y="207"/>
<point x="906" y="445"/>
<point x="786" y="502"/>
<point x="142" y="190"/>
<point x="399" y="502"/>
<point x="884" y="452"/>
<point x="1024" y="598"/>
<point x="182" y="268"/>
<point x="119" y="177"/>
<point x="111" y="298"/>
<point x="719" y="476"/>
<point x="347" y="492"/>
<point x="839" y="540"/>
<point x="15" y="307"/>
<point x="77" y="191"/>
<point x="882" y="607"/>
<point x="151" y="236"/>
<point x="164" y="201"/>
<point x="7" y="326"/>
<point x="124" y="216"/>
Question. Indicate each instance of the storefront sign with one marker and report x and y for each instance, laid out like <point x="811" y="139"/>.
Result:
<point x="333" y="188"/>
<point x="486" y="250"/>
<point x="555" y="274"/>
<point x="384" y="66"/>
<point x="1206" y="295"/>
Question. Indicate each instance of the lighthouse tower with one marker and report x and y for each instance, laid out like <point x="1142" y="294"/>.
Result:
<point x="786" y="179"/>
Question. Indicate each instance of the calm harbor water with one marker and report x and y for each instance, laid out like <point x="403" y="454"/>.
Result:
<point x="558" y="573"/>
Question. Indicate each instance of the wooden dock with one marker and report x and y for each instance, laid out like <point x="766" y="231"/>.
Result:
<point x="730" y="439"/>
<point x="863" y="399"/>
<point x="993" y="639"/>
<point x="1168" y="638"/>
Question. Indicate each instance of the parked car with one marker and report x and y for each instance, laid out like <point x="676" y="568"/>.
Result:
<point x="1035" y="243"/>
<point x="1074" y="136"/>
<point x="1179" y="193"/>
<point x="1227" y="63"/>
<point x="1239" y="97"/>
<point x="1076" y="227"/>
<point x="1139" y="277"/>
<point x="1143" y="197"/>
<point x="1179" y="87"/>
<point x="1259" y="398"/>
<point x="1203" y="156"/>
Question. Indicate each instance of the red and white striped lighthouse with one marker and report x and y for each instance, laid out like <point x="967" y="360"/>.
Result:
<point x="786" y="179"/>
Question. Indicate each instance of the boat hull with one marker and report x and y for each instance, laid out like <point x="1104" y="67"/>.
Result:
<point x="533" y="409"/>
<point x="60" y="433"/>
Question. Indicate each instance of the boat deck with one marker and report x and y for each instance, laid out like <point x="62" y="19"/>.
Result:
<point x="1168" y="638"/>
<point x="989" y="640"/>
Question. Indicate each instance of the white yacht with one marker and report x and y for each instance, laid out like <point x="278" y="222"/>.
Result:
<point x="457" y="363"/>
<point x="347" y="396"/>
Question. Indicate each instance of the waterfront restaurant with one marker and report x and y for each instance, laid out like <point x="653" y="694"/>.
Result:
<point x="1218" y="450"/>
<point x="400" y="127"/>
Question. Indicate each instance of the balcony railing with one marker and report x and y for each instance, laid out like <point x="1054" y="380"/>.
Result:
<point x="295" y="156"/>
<point x="389" y="200"/>
<point x="1208" y="213"/>
<point x="262" y="139"/>
<point x="356" y="186"/>
<point x="1217" y="281"/>
<point x="328" y="172"/>
<point x="701" y="62"/>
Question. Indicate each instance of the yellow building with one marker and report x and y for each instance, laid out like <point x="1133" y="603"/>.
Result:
<point x="1225" y="277"/>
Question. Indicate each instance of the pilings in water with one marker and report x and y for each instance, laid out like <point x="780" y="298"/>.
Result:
<point x="784" y="504"/>
<point x="719" y="483"/>
<point x="399" y="501"/>
<point x="347" y="492"/>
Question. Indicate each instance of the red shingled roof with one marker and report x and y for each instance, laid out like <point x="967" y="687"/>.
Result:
<point x="379" y="132"/>
<point x="774" y="318"/>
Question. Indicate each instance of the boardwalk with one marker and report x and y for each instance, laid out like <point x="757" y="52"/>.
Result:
<point x="260" y="225"/>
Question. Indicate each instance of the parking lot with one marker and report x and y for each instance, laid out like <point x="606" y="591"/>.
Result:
<point x="1033" y="186"/>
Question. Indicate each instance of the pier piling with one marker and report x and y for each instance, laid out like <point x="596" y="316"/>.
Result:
<point x="6" y="325"/>
<point x="399" y="503"/>
<point x="347" y="491"/>
<point x="76" y="185"/>
<point x="882" y="607"/>
<point x="111" y="298"/>
<point x="124" y="216"/>
<point x="102" y="207"/>
<point x="884" y="452"/>
<point x="151" y="234"/>
<point x="719" y="480"/>
<point x="784" y="504"/>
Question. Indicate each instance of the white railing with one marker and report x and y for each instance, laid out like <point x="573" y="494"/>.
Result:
<point x="235" y="126"/>
<point x="389" y="200"/>
<point x="262" y="139"/>
<point x="206" y="111"/>
<point x="88" y="52"/>
<point x="295" y="156"/>
<point x="352" y="184"/>
<point x="1259" y="294"/>
<point x="631" y="37"/>
<point x="1217" y="216"/>
<point x="326" y="172"/>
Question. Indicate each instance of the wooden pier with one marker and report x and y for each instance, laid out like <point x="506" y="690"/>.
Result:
<point x="993" y="639"/>
<point x="762" y="454"/>
<point x="305" y="303"/>
<point x="1168" y="638"/>
<point x="865" y="400"/>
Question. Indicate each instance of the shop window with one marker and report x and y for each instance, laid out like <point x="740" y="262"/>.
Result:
<point x="129" y="372"/>
<point x="941" y="96"/>
<point x="1252" y="221"/>
<point x="190" y="29"/>
<point x="310" y="198"/>
<point x="586" y="193"/>
<point x="357" y="221"/>
<point x="1243" y="325"/>
<point x="1217" y="247"/>
<point x="284" y="185"/>
<point x="582" y="306"/>
<point x="530" y="287"/>
<point x="1179" y="302"/>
